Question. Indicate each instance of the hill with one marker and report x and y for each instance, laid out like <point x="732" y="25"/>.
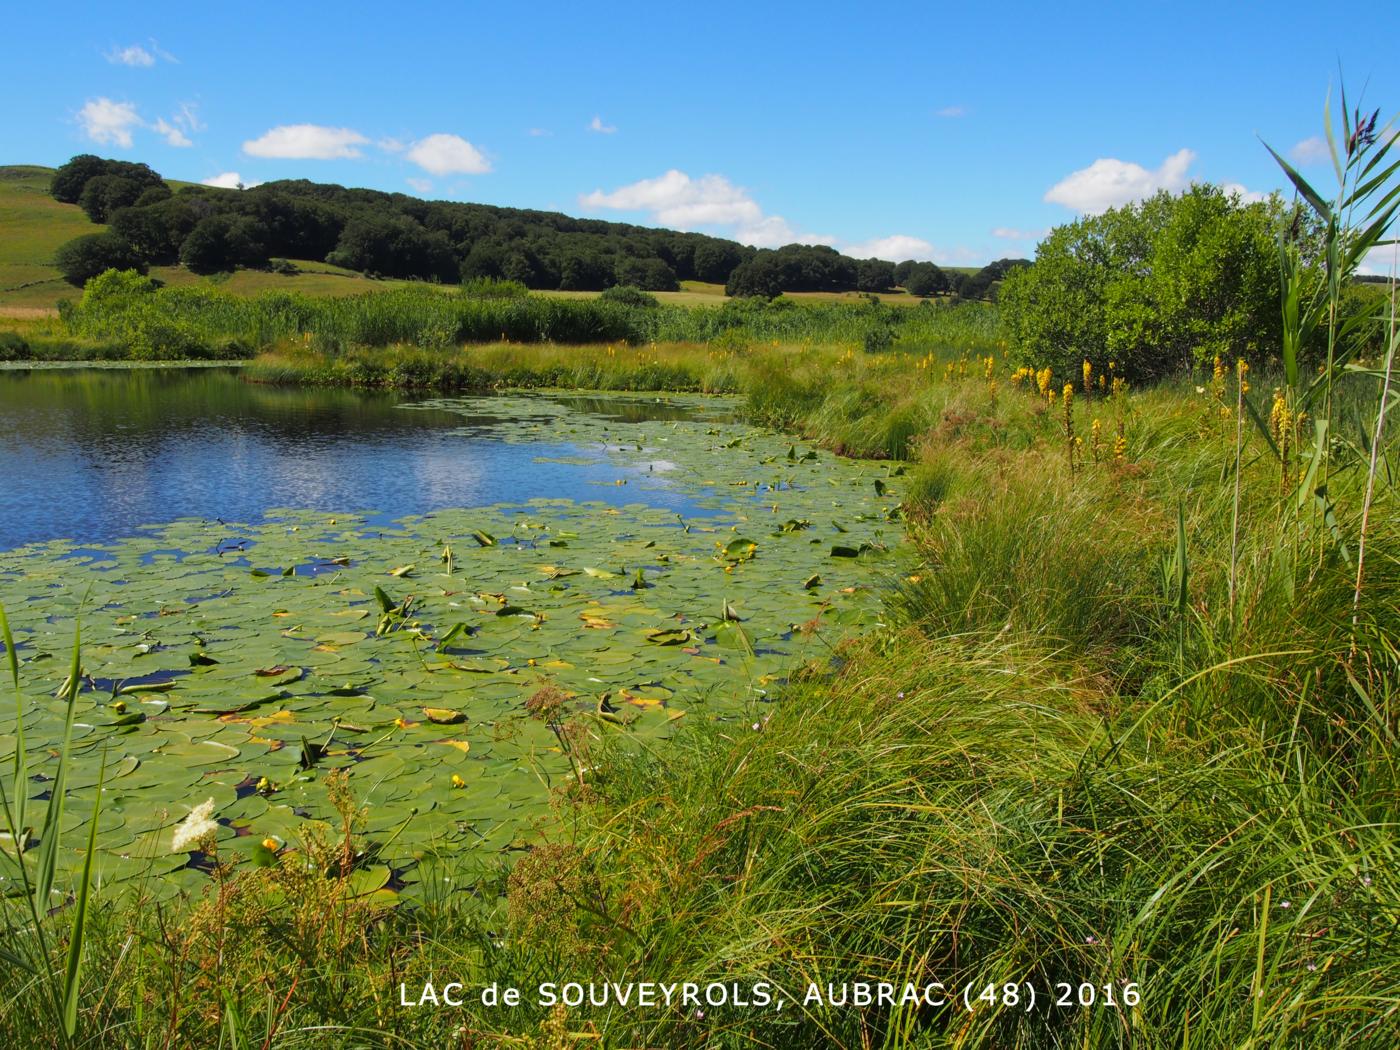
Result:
<point x="326" y="239"/>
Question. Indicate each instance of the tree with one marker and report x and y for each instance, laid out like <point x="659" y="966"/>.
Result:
<point x="925" y="279"/>
<point x="83" y="258"/>
<point x="1154" y="287"/>
<point x="874" y="275"/>
<point x="220" y="243"/>
<point x="106" y="193"/>
<point x="650" y="274"/>
<point x="72" y="178"/>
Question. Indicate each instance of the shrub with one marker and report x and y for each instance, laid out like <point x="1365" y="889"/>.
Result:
<point x="493" y="288"/>
<point x="85" y="257"/>
<point x="13" y="347"/>
<point x="1155" y="287"/>
<point x="629" y="295"/>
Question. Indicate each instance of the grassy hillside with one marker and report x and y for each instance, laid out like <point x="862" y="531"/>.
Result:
<point x="34" y="225"/>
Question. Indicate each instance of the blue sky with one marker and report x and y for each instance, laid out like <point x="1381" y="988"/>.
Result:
<point x="958" y="132"/>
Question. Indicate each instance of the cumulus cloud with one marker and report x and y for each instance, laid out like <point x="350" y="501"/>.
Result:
<point x="1310" y="151"/>
<point x="1110" y="183"/>
<point x="135" y="55"/>
<point x="1380" y="262"/>
<point x="306" y="142"/>
<point x="894" y="248"/>
<point x="683" y="203"/>
<point x="443" y="154"/>
<point x="109" y="122"/>
<point x="420" y="186"/>
<point x="227" y="180"/>
<point x="1010" y="233"/>
<point x="596" y="124"/>
<point x="950" y="112"/>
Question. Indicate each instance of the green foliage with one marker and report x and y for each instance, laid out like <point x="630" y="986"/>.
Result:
<point x="874" y="275"/>
<point x="85" y="257"/>
<point x="71" y="179"/>
<point x="629" y="295"/>
<point x="104" y="194"/>
<point x="1155" y="287"/>
<point x="220" y="243"/>
<point x="14" y="347"/>
<point x="493" y="288"/>
<point x="792" y="268"/>
<point x="924" y="279"/>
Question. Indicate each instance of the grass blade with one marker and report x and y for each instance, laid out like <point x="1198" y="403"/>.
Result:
<point x="72" y="975"/>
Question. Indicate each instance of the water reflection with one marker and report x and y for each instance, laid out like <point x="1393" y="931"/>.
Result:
<point x="91" y="454"/>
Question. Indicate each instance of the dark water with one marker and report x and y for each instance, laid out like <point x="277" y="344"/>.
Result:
<point x="91" y="454"/>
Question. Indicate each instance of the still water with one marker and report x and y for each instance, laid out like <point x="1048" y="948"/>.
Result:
<point x="91" y="454"/>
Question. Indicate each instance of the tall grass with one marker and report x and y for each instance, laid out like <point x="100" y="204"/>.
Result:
<point x="188" y="322"/>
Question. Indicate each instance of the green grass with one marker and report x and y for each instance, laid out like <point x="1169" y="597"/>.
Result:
<point x="35" y="225"/>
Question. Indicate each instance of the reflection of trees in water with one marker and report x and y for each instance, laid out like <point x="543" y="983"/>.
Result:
<point x="94" y="404"/>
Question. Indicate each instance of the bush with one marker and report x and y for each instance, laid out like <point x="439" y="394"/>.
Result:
<point x="85" y="257"/>
<point x="493" y="288"/>
<point x="1155" y="287"/>
<point x="14" y="348"/>
<point x="629" y="295"/>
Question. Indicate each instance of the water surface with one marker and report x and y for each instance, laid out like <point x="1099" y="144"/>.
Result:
<point x="91" y="454"/>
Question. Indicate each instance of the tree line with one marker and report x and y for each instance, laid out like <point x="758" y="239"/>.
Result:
<point x="212" y="230"/>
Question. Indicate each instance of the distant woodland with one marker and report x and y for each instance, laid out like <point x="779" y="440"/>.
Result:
<point x="212" y="230"/>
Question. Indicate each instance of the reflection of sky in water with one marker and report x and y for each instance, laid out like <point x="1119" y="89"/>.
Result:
<point x="91" y="456"/>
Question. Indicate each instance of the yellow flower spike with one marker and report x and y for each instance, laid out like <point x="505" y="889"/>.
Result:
<point x="1088" y="376"/>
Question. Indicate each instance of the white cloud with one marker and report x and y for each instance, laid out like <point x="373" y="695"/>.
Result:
<point x="950" y="112"/>
<point x="536" y="133"/>
<point x="109" y="122"/>
<point x="596" y="124"/>
<point x="1246" y="195"/>
<point x="421" y="186"/>
<point x="135" y="55"/>
<point x="1380" y="262"/>
<point x="895" y="248"/>
<point x="176" y="130"/>
<point x="228" y="180"/>
<point x="442" y="154"/>
<point x="1009" y="233"/>
<point x="391" y="145"/>
<point x="306" y="142"/>
<point x="1110" y="183"/>
<point x="683" y="203"/>
<point x="1310" y="151"/>
<point x="173" y="135"/>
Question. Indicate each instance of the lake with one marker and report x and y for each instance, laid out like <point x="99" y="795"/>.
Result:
<point x="92" y="454"/>
<point x="274" y="584"/>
